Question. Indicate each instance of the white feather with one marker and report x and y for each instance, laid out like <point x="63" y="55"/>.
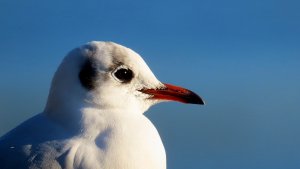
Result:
<point x="102" y="128"/>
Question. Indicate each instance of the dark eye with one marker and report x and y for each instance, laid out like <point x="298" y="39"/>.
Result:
<point x="124" y="75"/>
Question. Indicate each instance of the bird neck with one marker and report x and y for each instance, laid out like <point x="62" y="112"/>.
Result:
<point x="88" y="120"/>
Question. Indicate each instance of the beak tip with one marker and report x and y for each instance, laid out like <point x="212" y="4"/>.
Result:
<point x="201" y="102"/>
<point x="197" y="100"/>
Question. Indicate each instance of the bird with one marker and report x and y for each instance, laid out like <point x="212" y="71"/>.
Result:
<point x="94" y="116"/>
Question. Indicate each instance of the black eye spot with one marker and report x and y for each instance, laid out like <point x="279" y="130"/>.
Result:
<point x="124" y="75"/>
<point x="87" y="75"/>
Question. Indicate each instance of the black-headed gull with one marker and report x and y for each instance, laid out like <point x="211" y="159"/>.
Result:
<point x="94" y="115"/>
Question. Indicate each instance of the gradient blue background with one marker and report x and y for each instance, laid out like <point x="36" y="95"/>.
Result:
<point x="242" y="57"/>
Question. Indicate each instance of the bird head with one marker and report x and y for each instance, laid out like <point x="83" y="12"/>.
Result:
<point x="106" y="75"/>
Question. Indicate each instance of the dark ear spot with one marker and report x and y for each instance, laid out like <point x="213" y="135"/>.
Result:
<point x="87" y="75"/>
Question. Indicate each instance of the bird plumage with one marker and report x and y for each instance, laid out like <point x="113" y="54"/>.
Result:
<point x="94" y="115"/>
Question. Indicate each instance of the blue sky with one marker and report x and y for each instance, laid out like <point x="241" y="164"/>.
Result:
<point x="242" y="57"/>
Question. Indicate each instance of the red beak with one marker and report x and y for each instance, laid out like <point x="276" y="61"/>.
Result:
<point x="174" y="93"/>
